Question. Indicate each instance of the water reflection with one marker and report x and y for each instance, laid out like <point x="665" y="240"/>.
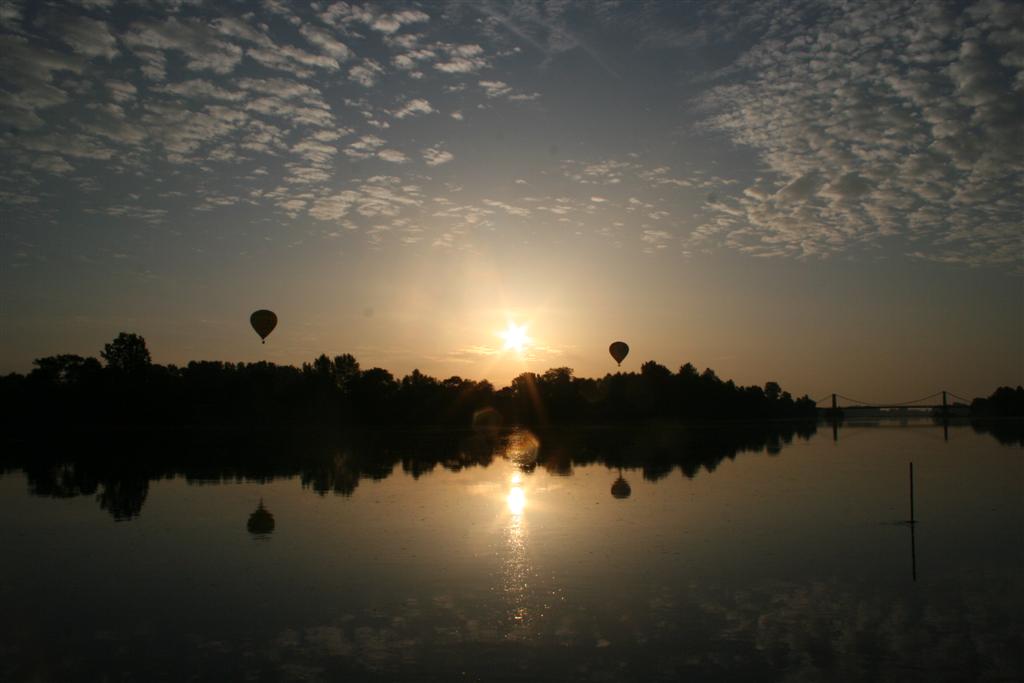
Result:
<point x="516" y="496"/>
<point x="517" y="574"/>
<point x="522" y="447"/>
<point x="117" y="469"/>
<point x="261" y="522"/>
<point x="771" y="568"/>
<point x="621" y="488"/>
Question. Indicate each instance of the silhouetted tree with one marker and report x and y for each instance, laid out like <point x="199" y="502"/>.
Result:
<point x="372" y="395"/>
<point x="1004" y="402"/>
<point x="127" y="353"/>
<point x="334" y="391"/>
<point x="346" y="370"/>
<point x="66" y="369"/>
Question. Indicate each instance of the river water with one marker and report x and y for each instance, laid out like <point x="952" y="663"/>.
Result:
<point x="752" y="553"/>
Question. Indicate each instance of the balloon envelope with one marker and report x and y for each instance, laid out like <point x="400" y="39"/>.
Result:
<point x="263" y="321"/>
<point x="619" y="350"/>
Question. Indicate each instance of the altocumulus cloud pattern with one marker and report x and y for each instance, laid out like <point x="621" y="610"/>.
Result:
<point x="777" y="129"/>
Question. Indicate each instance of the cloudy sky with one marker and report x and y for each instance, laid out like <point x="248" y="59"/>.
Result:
<point x="826" y="194"/>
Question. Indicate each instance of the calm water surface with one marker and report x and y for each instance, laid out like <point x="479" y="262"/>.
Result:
<point x="770" y="561"/>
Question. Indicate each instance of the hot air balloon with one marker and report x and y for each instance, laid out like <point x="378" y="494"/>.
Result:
<point x="619" y="351"/>
<point x="264" y="322"/>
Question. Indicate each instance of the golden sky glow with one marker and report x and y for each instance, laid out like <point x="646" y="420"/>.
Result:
<point x="481" y="194"/>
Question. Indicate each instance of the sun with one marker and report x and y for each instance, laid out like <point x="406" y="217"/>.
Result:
<point x="515" y="337"/>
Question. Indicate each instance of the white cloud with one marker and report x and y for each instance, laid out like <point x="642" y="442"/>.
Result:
<point x="412" y="108"/>
<point x="410" y="60"/>
<point x="344" y="14"/>
<point x="365" y="74"/>
<point x="435" y="156"/>
<point x="389" y="23"/>
<point x="154" y="63"/>
<point x="279" y="87"/>
<point x="117" y="131"/>
<point x="315" y="152"/>
<point x="89" y="37"/>
<point x="52" y="163"/>
<point x="364" y="147"/>
<point x="30" y="69"/>
<point x="183" y="131"/>
<point x="297" y="113"/>
<point x="291" y="59"/>
<point x="334" y="207"/>
<point x="326" y="42"/>
<point x="878" y="124"/>
<point x="392" y="155"/>
<point x="461" y="59"/>
<point x="81" y="146"/>
<point x="121" y="91"/>
<point x="201" y="45"/>
<point x="495" y="88"/>
<point x="201" y="88"/>
<point x="656" y="238"/>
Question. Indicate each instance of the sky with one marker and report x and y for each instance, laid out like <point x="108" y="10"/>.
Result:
<point x="824" y="194"/>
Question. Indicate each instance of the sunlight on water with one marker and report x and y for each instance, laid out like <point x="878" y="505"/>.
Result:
<point x="516" y="570"/>
<point x="756" y="561"/>
<point x="516" y="498"/>
<point x="516" y="501"/>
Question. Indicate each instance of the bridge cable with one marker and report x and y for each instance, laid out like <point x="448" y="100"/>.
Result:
<point x="893" y="405"/>
<point x="904" y="403"/>
<point x="907" y="403"/>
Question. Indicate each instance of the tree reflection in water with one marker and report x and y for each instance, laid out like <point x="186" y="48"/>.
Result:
<point x="116" y="468"/>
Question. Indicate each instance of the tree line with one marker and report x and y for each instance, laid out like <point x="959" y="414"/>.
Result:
<point x="127" y="388"/>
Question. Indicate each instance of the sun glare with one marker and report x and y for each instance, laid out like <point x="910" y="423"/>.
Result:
<point x="516" y="501"/>
<point x="515" y="338"/>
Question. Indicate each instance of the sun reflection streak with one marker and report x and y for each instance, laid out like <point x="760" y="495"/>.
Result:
<point x="517" y="571"/>
<point x="516" y="501"/>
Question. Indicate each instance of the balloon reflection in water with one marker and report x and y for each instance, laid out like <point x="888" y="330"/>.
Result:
<point x="261" y="522"/>
<point x="621" y="489"/>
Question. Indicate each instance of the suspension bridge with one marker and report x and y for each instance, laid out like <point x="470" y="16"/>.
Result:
<point x="939" y="401"/>
<point x="836" y="405"/>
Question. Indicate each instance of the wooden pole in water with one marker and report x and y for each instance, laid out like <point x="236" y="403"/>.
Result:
<point x="912" y="520"/>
